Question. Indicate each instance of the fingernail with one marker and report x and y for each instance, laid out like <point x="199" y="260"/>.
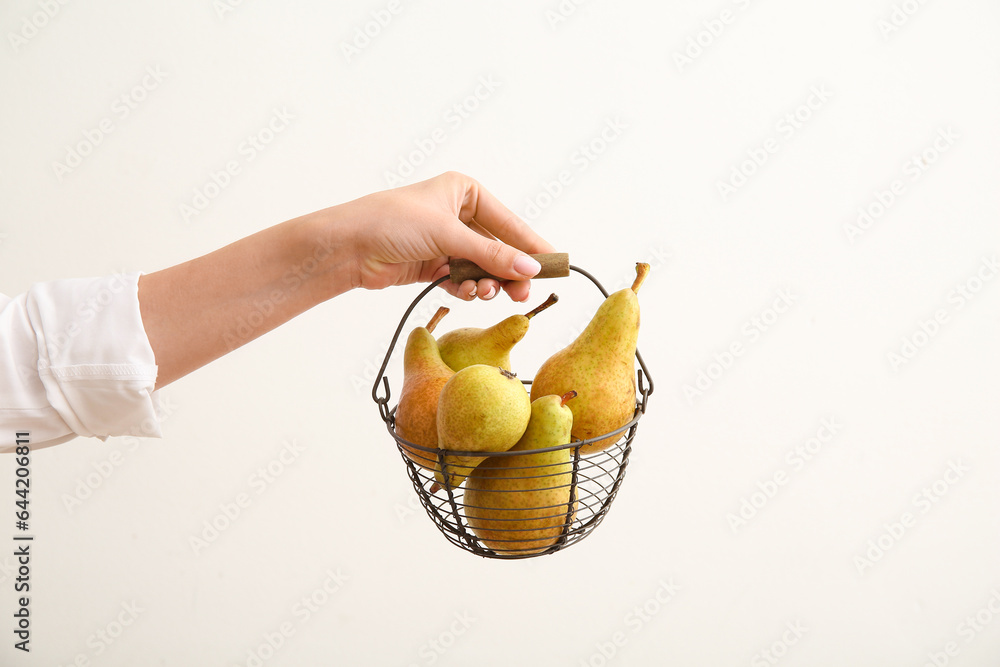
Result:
<point x="473" y="292"/>
<point x="527" y="266"/>
<point x="490" y="292"/>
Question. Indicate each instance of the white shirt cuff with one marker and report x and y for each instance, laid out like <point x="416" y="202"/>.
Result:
<point x="94" y="361"/>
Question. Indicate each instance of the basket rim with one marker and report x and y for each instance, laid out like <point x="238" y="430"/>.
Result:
<point x="390" y="426"/>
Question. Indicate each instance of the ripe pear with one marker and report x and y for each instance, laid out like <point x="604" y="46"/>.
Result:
<point x="522" y="504"/>
<point x="600" y="365"/>
<point x="467" y="346"/>
<point x="424" y="376"/>
<point x="481" y="409"/>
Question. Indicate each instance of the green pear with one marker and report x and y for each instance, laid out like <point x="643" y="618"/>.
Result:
<point x="522" y="504"/>
<point x="600" y="364"/>
<point x="424" y="376"/>
<point x="464" y="347"/>
<point x="481" y="409"/>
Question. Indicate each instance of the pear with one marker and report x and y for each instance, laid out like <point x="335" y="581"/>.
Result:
<point x="481" y="409"/>
<point x="491" y="346"/>
<point x="424" y="376"/>
<point x="600" y="365"/>
<point x="522" y="504"/>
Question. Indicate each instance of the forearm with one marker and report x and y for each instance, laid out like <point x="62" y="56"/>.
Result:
<point x="198" y="311"/>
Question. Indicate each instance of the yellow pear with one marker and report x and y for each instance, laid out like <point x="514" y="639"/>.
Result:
<point x="424" y="376"/>
<point x="599" y="364"/>
<point x="481" y="409"/>
<point x="490" y="346"/>
<point x="521" y="504"/>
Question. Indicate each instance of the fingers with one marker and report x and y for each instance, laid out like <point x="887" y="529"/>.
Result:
<point x="459" y="291"/>
<point x="487" y="288"/>
<point x="476" y="227"/>
<point x="492" y="236"/>
<point x="496" y="257"/>
<point x="480" y="205"/>
<point x="501" y="231"/>
<point x="518" y="290"/>
<point x="467" y="290"/>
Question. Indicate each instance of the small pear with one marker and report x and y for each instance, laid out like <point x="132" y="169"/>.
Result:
<point x="481" y="409"/>
<point x="464" y="347"/>
<point x="600" y="364"/>
<point x="521" y="504"/>
<point x="424" y="376"/>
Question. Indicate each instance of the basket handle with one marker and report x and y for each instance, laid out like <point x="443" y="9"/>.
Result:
<point x="382" y="382"/>
<point x="554" y="265"/>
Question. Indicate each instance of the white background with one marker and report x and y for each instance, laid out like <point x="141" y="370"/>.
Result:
<point x="344" y="505"/>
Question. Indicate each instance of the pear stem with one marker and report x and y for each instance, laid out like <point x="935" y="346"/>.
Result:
<point x="542" y="306"/>
<point x="567" y="396"/>
<point x="441" y="312"/>
<point x="641" y="271"/>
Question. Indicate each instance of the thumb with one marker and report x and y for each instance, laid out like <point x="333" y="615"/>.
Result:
<point x="493" y="256"/>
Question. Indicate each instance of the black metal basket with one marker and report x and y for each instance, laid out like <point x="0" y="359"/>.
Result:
<point x="592" y="479"/>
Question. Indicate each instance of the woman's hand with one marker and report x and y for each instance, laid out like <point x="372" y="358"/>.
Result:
<point x="197" y="311"/>
<point x="406" y="235"/>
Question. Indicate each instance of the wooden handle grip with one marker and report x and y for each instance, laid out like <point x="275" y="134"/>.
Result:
<point x="554" y="265"/>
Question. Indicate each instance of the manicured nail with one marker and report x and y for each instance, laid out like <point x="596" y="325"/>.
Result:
<point x="473" y="292"/>
<point x="527" y="266"/>
<point x="490" y="292"/>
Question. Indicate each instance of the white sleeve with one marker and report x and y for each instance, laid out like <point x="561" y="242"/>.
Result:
<point x="75" y="361"/>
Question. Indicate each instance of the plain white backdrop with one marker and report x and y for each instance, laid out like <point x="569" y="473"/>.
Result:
<point x="733" y="145"/>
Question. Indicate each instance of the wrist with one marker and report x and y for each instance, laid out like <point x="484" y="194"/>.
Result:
<point x="324" y="255"/>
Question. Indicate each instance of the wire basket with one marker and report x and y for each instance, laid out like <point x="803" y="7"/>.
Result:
<point x="576" y="488"/>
